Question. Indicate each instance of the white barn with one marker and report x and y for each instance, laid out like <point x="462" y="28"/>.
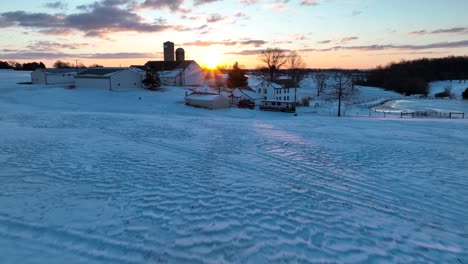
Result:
<point x="280" y="95"/>
<point x="209" y="101"/>
<point x="177" y="73"/>
<point x="108" y="78"/>
<point x="54" y="76"/>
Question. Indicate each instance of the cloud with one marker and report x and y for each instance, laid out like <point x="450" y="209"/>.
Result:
<point x="276" y="7"/>
<point x="56" y="5"/>
<point x="43" y="45"/>
<point x="255" y="43"/>
<point x="213" y="18"/>
<point x="97" y="21"/>
<point x="173" y="5"/>
<point x="309" y="3"/>
<point x="250" y="2"/>
<point x="324" y="41"/>
<point x="202" y="2"/>
<point x="250" y="52"/>
<point x="438" y="45"/>
<point x="27" y="55"/>
<point x="348" y="39"/>
<point x="356" y="13"/>
<point x="455" y="31"/>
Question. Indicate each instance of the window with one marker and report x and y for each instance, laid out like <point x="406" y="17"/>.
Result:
<point x="264" y="91"/>
<point x="118" y="84"/>
<point x="285" y="98"/>
<point x="134" y="84"/>
<point x="259" y="90"/>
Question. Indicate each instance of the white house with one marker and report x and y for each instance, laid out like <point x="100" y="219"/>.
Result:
<point x="209" y="101"/>
<point x="280" y="95"/>
<point x="54" y="76"/>
<point x="177" y="73"/>
<point x="108" y="78"/>
<point x="245" y="93"/>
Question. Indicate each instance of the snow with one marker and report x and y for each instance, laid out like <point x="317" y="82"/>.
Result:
<point x="96" y="176"/>
<point x="457" y="87"/>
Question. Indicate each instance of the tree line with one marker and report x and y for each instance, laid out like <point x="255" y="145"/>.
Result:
<point x="32" y="66"/>
<point x="413" y="77"/>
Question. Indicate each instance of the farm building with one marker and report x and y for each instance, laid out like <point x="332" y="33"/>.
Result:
<point x="177" y="73"/>
<point x="54" y="76"/>
<point x="108" y="78"/>
<point x="245" y="93"/>
<point x="280" y="95"/>
<point x="209" y="101"/>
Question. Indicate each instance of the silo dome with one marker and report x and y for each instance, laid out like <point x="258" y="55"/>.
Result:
<point x="180" y="54"/>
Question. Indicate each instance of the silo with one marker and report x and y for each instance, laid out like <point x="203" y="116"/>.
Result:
<point x="180" y="54"/>
<point x="168" y="51"/>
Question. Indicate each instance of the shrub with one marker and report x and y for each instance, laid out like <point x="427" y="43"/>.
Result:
<point x="446" y="93"/>
<point x="465" y="94"/>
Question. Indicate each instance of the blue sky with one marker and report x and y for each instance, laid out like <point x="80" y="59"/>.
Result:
<point x="327" y="33"/>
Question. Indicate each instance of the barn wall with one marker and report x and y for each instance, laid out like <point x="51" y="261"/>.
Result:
<point x="65" y="78"/>
<point x="38" y="77"/>
<point x="193" y="75"/>
<point x="125" y="80"/>
<point x="87" y="83"/>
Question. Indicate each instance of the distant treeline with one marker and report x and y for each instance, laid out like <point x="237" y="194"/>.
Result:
<point x="28" y="66"/>
<point x="412" y="77"/>
<point x="32" y="66"/>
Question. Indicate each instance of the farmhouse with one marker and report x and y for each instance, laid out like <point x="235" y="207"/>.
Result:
<point x="245" y="93"/>
<point x="54" y="76"/>
<point x="280" y="95"/>
<point x="108" y="78"/>
<point x="209" y="101"/>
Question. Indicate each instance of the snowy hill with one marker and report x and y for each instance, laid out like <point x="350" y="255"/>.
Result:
<point x="457" y="87"/>
<point x="98" y="176"/>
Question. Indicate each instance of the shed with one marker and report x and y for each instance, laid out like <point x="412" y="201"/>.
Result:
<point x="53" y="76"/>
<point x="109" y="78"/>
<point x="209" y="101"/>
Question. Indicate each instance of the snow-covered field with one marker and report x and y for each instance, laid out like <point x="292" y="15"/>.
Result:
<point x="93" y="176"/>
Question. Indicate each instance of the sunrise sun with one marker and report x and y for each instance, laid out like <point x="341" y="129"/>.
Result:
<point x="212" y="61"/>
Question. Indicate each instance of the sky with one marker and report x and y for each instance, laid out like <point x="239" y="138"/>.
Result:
<point x="359" y="34"/>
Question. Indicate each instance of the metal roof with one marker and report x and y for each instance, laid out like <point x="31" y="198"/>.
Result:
<point x="60" y="71"/>
<point x="101" y="71"/>
<point x="168" y="65"/>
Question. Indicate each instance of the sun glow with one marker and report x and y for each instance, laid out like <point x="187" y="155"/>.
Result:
<point x="212" y="61"/>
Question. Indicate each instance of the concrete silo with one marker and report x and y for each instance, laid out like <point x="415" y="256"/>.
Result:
<point x="168" y="51"/>
<point x="180" y="54"/>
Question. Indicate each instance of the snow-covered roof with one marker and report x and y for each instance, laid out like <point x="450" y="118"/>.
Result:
<point x="169" y="74"/>
<point x="104" y="72"/>
<point x="241" y="92"/>
<point x="60" y="71"/>
<point x="203" y="97"/>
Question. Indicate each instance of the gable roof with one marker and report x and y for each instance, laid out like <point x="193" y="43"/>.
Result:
<point x="168" y="65"/>
<point x="287" y="83"/>
<point x="60" y="71"/>
<point x="101" y="71"/>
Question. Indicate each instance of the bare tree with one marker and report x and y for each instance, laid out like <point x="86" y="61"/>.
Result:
<point x="342" y="89"/>
<point x="273" y="59"/>
<point x="295" y="66"/>
<point x="321" y="81"/>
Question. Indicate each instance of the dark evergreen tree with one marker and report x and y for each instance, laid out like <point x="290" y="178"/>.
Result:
<point x="152" y="80"/>
<point x="236" y="77"/>
<point x="465" y="94"/>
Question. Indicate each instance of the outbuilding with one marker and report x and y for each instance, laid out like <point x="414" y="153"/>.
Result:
<point x="209" y="101"/>
<point x="53" y="76"/>
<point x="108" y="78"/>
